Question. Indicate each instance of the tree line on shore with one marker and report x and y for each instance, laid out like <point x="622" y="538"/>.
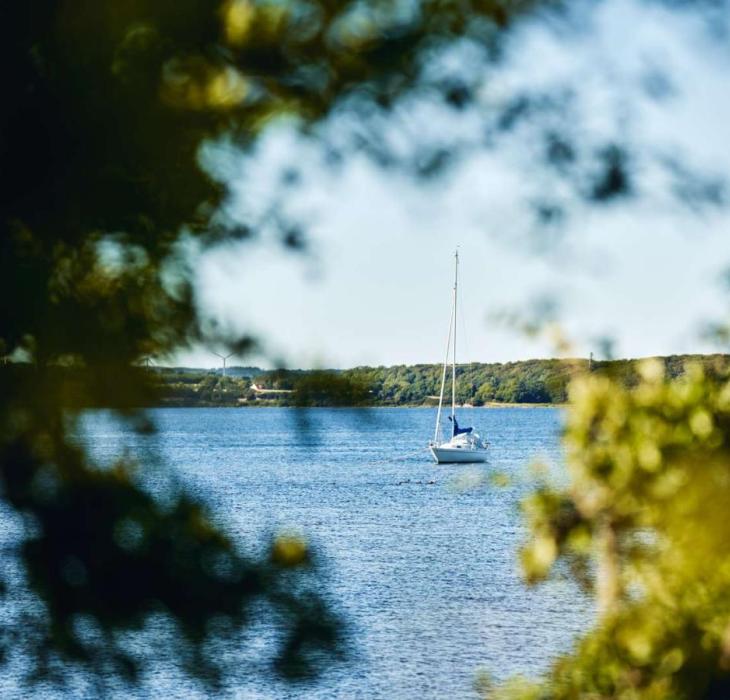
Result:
<point x="478" y="384"/>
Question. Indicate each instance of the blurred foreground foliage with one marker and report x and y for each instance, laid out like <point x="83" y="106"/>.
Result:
<point x="644" y="526"/>
<point x="107" y="109"/>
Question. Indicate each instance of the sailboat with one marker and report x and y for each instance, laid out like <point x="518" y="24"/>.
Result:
<point x="464" y="445"/>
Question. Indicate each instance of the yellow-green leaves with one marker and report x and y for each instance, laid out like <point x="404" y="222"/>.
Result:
<point x="648" y="499"/>
<point x="289" y="550"/>
<point x="197" y="84"/>
<point x="237" y="16"/>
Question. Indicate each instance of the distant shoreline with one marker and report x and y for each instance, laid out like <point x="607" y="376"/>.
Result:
<point x="520" y="384"/>
<point x="259" y="405"/>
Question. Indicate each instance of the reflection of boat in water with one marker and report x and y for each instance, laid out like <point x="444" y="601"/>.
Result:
<point x="464" y="445"/>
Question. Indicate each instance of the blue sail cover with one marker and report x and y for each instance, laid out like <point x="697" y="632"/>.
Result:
<point x="458" y="430"/>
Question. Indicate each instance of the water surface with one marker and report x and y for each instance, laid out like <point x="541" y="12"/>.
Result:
<point x="421" y="558"/>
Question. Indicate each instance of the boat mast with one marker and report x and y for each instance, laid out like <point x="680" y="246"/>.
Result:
<point x="453" y="357"/>
<point x="443" y="377"/>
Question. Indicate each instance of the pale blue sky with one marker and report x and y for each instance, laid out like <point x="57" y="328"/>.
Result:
<point x="375" y="289"/>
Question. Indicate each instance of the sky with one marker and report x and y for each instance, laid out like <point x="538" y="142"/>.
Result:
<point x="375" y="286"/>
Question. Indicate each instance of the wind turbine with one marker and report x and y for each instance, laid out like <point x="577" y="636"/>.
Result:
<point x="224" y="358"/>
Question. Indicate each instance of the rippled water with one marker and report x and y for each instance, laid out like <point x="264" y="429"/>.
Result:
<point x="420" y="557"/>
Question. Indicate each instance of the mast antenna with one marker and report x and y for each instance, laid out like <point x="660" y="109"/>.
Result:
<point x="453" y="357"/>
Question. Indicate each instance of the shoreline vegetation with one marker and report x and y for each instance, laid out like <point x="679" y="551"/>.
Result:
<point x="523" y="384"/>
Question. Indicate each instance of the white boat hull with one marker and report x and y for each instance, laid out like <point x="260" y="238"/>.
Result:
<point x="451" y="455"/>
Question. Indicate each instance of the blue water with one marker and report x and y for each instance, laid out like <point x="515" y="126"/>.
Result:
<point x="421" y="558"/>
